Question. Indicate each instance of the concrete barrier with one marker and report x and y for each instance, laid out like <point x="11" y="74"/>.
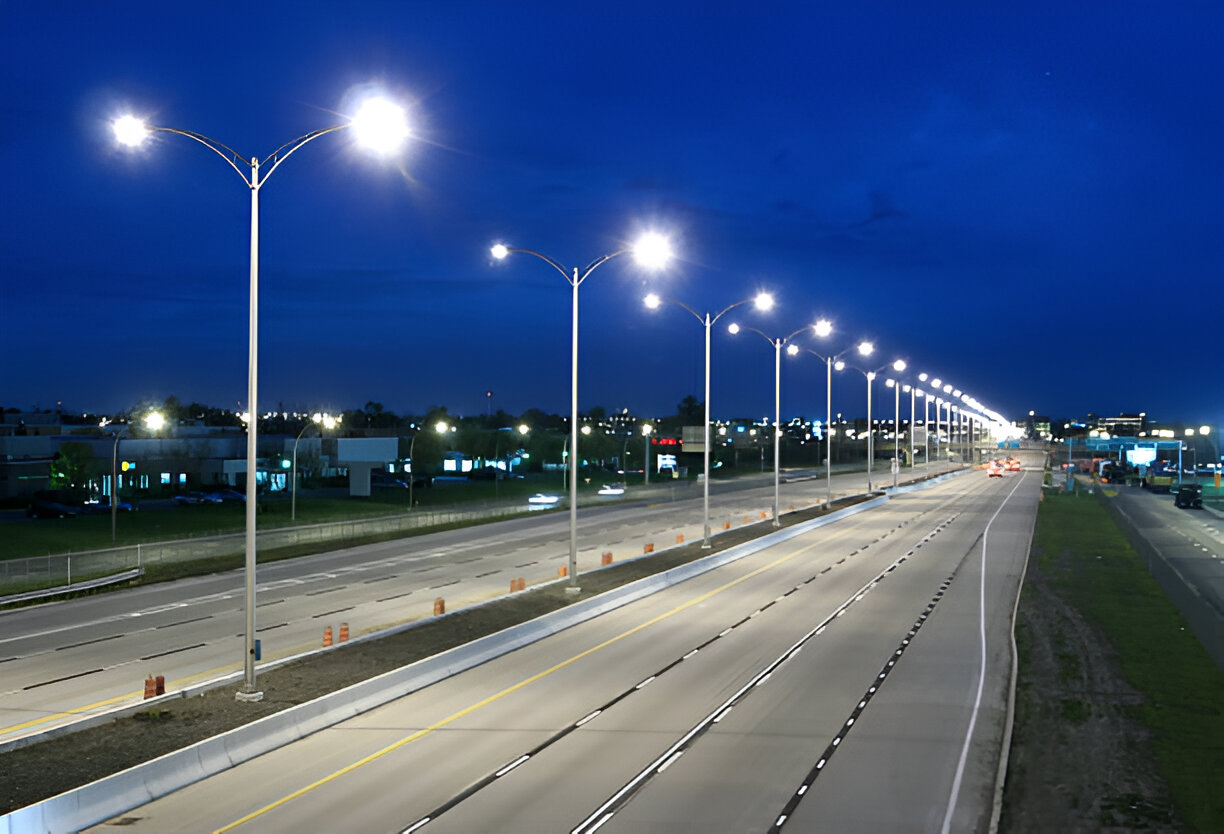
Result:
<point x="98" y="801"/>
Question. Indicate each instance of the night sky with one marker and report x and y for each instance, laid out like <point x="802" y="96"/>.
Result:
<point x="1023" y="202"/>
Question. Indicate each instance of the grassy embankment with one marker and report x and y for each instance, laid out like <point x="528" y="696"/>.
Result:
<point x="1091" y="565"/>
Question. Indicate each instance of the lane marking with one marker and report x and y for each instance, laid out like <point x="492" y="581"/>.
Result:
<point x="977" y="701"/>
<point x="452" y="718"/>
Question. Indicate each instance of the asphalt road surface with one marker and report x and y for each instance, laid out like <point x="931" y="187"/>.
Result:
<point x="65" y="660"/>
<point x="853" y="678"/>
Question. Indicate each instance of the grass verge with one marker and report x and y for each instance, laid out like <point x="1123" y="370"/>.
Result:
<point x="1090" y="564"/>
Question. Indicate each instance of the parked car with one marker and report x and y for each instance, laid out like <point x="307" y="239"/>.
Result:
<point x="1189" y="497"/>
<point x="541" y="501"/>
<point x="186" y="498"/>
<point x="223" y="496"/>
<point x="51" y="509"/>
<point x="103" y="506"/>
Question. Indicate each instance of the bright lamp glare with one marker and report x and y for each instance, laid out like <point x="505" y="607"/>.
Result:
<point x="499" y="251"/>
<point x="839" y="365"/>
<point x="130" y="131"/>
<point x="763" y="301"/>
<point x="899" y="365"/>
<point x="652" y="301"/>
<point x="865" y="348"/>
<point x="822" y="328"/>
<point x="792" y="350"/>
<point x="652" y="250"/>
<point x="733" y="328"/>
<point x="380" y="125"/>
<point x="154" y="421"/>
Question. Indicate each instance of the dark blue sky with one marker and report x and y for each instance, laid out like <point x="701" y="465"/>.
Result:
<point x="1023" y="202"/>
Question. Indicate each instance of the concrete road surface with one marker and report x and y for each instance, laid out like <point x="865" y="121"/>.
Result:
<point x="854" y="678"/>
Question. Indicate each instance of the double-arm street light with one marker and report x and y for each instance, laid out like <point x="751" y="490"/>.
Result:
<point x="762" y="301"/>
<point x="381" y="127"/>
<point x="898" y="366"/>
<point x="651" y="251"/>
<point x="323" y="421"/>
<point x="822" y="327"/>
<point x="833" y="362"/>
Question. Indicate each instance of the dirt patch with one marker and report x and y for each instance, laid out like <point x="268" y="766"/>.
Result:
<point x="1079" y="760"/>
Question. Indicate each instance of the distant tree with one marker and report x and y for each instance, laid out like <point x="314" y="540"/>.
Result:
<point x="596" y="413"/>
<point x="690" y="411"/>
<point x="71" y="466"/>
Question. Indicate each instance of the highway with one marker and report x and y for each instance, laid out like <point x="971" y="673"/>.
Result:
<point x="70" y="659"/>
<point x="852" y="678"/>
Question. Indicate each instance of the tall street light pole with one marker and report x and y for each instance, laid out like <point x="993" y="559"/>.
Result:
<point x="153" y="422"/>
<point x="646" y="430"/>
<point x="833" y="363"/>
<point x="896" y="465"/>
<point x="762" y="301"/>
<point x="821" y="327"/>
<point x="652" y="251"/>
<point x="897" y="366"/>
<point x="380" y="126"/>
<point x="326" y="421"/>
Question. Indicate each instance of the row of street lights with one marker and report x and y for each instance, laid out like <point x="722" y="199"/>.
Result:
<point x="382" y="127"/>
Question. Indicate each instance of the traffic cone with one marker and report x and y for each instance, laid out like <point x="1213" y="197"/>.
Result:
<point x="150" y="687"/>
<point x="606" y="558"/>
<point x="343" y="632"/>
<point x="160" y="684"/>
<point x="327" y="637"/>
<point x="439" y="606"/>
<point x="563" y="571"/>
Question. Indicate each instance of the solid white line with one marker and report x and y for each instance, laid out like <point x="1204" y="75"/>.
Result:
<point x="977" y="701"/>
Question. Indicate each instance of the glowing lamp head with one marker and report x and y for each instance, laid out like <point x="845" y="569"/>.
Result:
<point x="499" y="251"/>
<point x="733" y="328"/>
<point x="380" y="126"/>
<point x="130" y="131"/>
<point x="947" y="389"/>
<point x="441" y="427"/>
<point x="899" y="365"/>
<point x="523" y="428"/>
<point x="652" y="250"/>
<point x="652" y="301"/>
<point x="792" y="350"/>
<point x="154" y="421"/>
<point x="866" y="348"/>
<point x="763" y="301"/>
<point x="922" y="377"/>
<point x="839" y="365"/>
<point x="822" y="328"/>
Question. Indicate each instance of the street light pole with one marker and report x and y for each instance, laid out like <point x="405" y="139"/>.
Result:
<point x="821" y="328"/>
<point x="325" y="421"/>
<point x="762" y="301"/>
<point x="380" y="125"/>
<point x="651" y="250"/>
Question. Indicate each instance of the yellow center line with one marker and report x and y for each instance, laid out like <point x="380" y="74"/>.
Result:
<point x="510" y="690"/>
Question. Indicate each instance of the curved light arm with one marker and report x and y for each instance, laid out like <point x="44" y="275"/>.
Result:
<point x="501" y="252"/>
<point x="230" y="155"/>
<point x="707" y="319"/>
<point x="294" y="145"/>
<point x="761" y="333"/>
